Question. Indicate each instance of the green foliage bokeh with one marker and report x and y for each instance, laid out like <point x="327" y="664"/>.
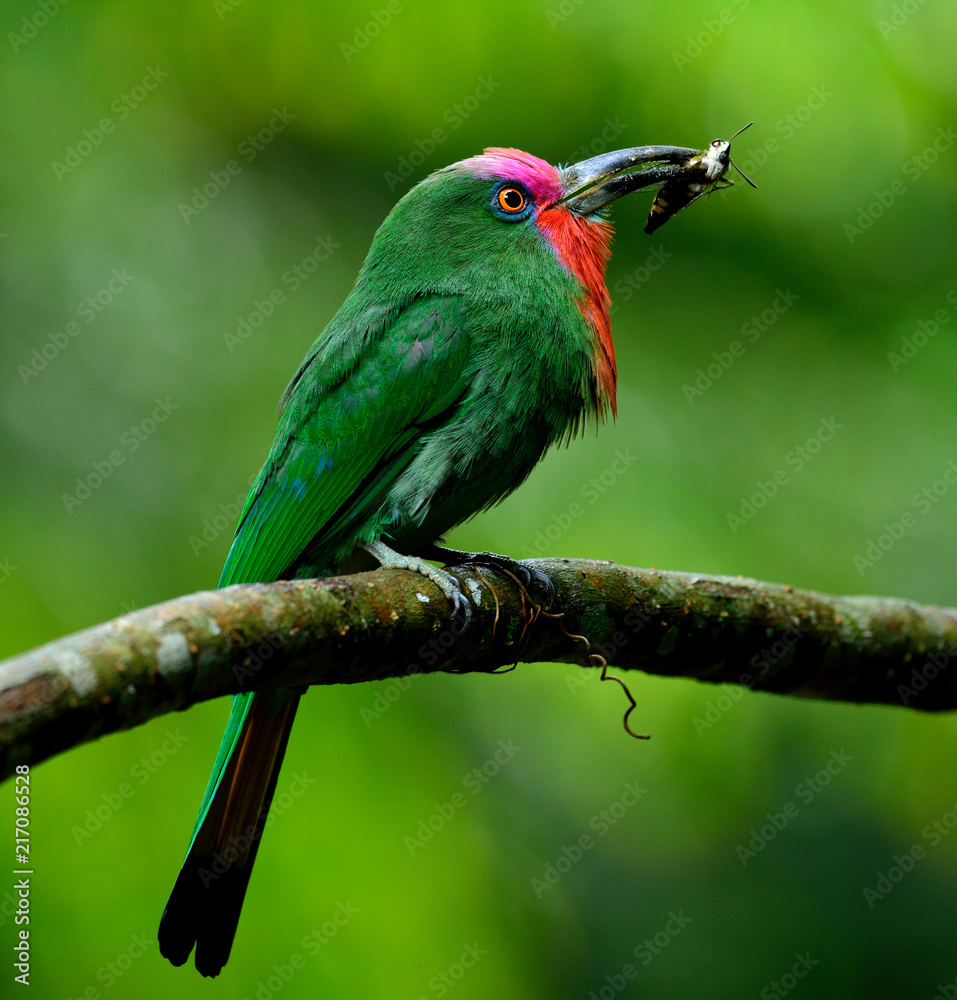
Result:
<point x="837" y="280"/>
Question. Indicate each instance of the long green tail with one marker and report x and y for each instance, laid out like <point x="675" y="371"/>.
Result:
<point x="204" y="906"/>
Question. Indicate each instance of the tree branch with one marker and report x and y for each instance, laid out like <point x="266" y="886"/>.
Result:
<point x="371" y="626"/>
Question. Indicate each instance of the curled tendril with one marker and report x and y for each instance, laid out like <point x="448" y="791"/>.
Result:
<point x="531" y="612"/>
<point x="597" y="660"/>
<point x="501" y="670"/>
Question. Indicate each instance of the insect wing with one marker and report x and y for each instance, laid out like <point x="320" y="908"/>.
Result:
<point x="673" y="196"/>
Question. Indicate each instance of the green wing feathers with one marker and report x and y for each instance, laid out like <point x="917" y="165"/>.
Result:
<point x="344" y="441"/>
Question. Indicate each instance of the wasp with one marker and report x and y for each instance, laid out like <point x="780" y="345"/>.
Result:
<point x="702" y="173"/>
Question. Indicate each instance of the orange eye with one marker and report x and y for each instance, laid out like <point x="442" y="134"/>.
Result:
<point x="511" y="200"/>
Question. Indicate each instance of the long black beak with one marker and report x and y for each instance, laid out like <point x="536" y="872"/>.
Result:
<point x="594" y="183"/>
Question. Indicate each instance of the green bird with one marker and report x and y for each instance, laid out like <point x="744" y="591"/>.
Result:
<point x="477" y="335"/>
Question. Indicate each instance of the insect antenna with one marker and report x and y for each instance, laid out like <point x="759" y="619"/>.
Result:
<point x="740" y="130"/>
<point x="733" y="164"/>
<point x="744" y="175"/>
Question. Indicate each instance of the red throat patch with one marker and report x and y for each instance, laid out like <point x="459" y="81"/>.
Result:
<point x="583" y="247"/>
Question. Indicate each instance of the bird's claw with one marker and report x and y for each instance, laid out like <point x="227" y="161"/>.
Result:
<point x="525" y="575"/>
<point x="461" y="610"/>
<point x="390" y="559"/>
<point x="543" y="580"/>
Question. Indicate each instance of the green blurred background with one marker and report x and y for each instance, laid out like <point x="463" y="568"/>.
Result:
<point x="321" y="108"/>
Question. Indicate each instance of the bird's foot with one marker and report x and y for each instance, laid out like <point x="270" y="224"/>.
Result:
<point x="525" y="576"/>
<point x="390" y="559"/>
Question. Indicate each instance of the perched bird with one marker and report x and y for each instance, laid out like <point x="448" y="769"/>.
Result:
<point x="476" y="335"/>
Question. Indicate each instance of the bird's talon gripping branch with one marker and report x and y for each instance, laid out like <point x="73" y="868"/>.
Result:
<point x="390" y="559"/>
<point x="461" y="610"/>
<point x="525" y="575"/>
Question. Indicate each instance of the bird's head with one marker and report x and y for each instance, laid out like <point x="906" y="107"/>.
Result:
<point x="507" y="224"/>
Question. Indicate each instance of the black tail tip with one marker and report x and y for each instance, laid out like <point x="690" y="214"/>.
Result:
<point x="175" y="941"/>
<point x="203" y="910"/>
<point x="176" y="944"/>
